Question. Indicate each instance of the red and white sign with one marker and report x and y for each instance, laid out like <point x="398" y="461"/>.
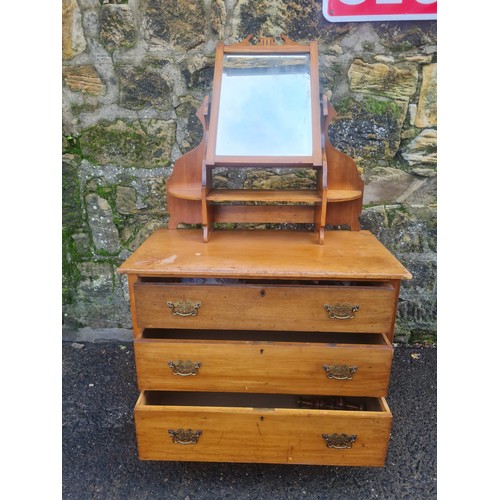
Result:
<point x="341" y="11"/>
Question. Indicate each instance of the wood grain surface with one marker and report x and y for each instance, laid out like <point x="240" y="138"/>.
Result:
<point x="262" y="434"/>
<point x="346" y="255"/>
<point x="290" y="366"/>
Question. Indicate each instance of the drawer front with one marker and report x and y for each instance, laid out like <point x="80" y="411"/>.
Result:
<point x="258" y="366"/>
<point x="296" y="308"/>
<point x="267" y="435"/>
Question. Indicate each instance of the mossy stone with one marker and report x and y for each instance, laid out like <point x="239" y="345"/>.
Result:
<point x="180" y="24"/>
<point x="117" y="27"/>
<point x="142" y="143"/>
<point x="142" y="87"/>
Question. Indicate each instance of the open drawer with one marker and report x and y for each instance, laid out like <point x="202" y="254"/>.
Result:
<point x="268" y="428"/>
<point x="264" y="361"/>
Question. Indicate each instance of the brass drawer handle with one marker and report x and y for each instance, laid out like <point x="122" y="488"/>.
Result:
<point x="340" y="372"/>
<point x="184" y="368"/>
<point x="341" y="311"/>
<point x="339" y="441"/>
<point x="184" y="436"/>
<point x="184" y="307"/>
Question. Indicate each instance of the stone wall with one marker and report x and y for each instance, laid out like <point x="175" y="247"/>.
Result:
<point x="134" y="74"/>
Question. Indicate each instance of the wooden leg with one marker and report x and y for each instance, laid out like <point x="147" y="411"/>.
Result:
<point x="321" y="236"/>
<point x="172" y="223"/>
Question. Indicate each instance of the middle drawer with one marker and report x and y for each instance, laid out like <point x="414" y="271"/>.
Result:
<point x="264" y="361"/>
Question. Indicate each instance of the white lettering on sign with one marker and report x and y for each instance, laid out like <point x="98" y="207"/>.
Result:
<point x="379" y="10"/>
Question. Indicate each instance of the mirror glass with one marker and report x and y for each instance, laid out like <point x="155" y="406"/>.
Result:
<point x="265" y="106"/>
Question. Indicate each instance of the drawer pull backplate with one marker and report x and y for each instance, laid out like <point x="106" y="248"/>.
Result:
<point x="184" y="307"/>
<point x="341" y="311"/>
<point x="340" y="372"/>
<point x="184" y="436"/>
<point x="184" y="368"/>
<point x="339" y="441"/>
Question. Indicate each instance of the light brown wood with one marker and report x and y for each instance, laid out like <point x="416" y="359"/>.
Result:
<point x="268" y="435"/>
<point x="264" y="195"/>
<point x="290" y="365"/>
<point x="188" y="192"/>
<point x="268" y="307"/>
<point x="193" y="193"/>
<point x="301" y="214"/>
<point x="264" y="333"/>
<point x="346" y="255"/>
<point x="315" y="106"/>
<point x="342" y="176"/>
<point x="187" y="175"/>
<point x="132" y="278"/>
<point x="340" y="195"/>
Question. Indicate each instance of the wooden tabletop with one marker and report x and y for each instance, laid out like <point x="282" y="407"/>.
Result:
<point x="264" y="254"/>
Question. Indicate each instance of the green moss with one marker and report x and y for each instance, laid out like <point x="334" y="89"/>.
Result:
<point x="402" y="46"/>
<point x="394" y="211"/>
<point x="100" y="142"/>
<point x="344" y="105"/>
<point x="101" y="252"/>
<point x="70" y="273"/>
<point x="137" y="144"/>
<point x="381" y="107"/>
<point x="108" y="192"/>
<point x="425" y="337"/>
<point x="71" y="145"/>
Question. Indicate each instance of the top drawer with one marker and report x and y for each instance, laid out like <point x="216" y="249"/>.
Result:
<point x="297" y="306"/>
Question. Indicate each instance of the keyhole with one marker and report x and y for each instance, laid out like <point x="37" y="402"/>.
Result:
<point x="261" y="419"/>
<point x="262" y="293"/>
<point x="262" y="351"/>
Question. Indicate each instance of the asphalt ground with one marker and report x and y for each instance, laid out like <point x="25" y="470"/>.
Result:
<point x="99" y="453"/>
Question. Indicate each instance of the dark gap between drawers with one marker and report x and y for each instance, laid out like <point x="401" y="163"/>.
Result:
<point x="257" y="401"/>
<point x="260" y="282"/>
<point x="265" y="336"/>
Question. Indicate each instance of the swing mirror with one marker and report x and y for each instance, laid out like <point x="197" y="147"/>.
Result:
<point x="265" y="106"/>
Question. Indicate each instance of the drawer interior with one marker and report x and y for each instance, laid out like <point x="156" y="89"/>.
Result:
<point x="268" y="401"/>
<point x="260" y="282"/>
<point x="333" y="338"/>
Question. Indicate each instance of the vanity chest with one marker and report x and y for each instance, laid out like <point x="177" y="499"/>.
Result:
<point x="270" y="346"/>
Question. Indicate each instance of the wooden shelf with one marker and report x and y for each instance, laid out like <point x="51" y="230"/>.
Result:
<point x="185" y="192"/>
<point x="340" y="195"/>
<point x="264" y="195"/>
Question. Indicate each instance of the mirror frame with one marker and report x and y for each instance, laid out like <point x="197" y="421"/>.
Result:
<point x="266" y="46"/>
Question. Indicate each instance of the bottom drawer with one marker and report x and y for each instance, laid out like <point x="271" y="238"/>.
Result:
<point x="266" y="428"/>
